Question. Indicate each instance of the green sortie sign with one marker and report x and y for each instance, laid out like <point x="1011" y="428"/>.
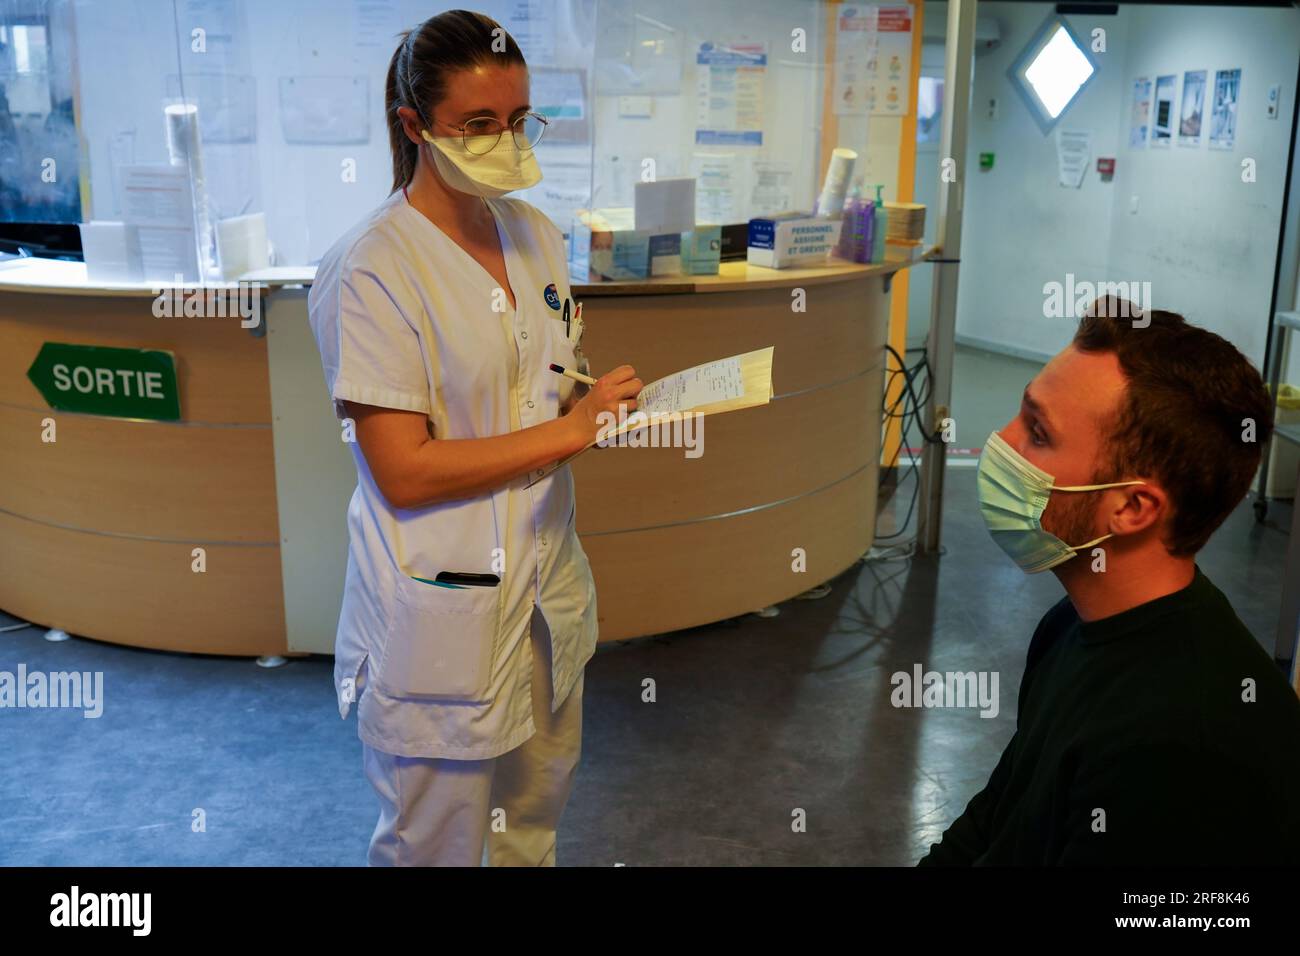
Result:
<point x="96" y="380"/>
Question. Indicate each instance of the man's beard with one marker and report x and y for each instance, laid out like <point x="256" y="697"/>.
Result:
<point x="1071" y="516"/>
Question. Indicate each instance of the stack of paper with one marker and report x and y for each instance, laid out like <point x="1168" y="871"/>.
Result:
<point x="724" y="385"/>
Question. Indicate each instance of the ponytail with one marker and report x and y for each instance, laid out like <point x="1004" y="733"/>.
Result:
<point x="397" y="93"/>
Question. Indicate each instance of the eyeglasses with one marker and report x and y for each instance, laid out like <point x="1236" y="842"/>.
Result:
<point x="482" y="133"/>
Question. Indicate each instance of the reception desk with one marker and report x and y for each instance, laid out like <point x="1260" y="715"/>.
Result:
<point x="224" y="532"/>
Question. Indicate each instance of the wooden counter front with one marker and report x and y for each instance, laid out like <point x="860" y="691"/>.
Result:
<point x="676" y="542"/>
<point x="98" y="529"/>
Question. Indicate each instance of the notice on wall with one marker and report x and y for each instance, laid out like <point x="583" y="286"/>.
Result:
<point x="890" y="80"/>
<point x="1140" y="117"/>
<point x="565" y="187"/>
<point x="729" y="94"/>
<point x="376" y="23"/>
<point x="222" y="36"/>
<point x="855" y="58"/>
<point x="1162" y="123"/>
<point x="1193" y="111"/>
<point x="715" y="187"/>
<point x="532" y="24"/>
<point x="158" y="200"/>
<point x="770" y="192"/>
<point x="1073" y="151"/>
<point x="1223" y="115"/>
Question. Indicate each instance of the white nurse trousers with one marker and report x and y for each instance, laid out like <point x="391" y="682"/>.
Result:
<point x="440" y="812"/>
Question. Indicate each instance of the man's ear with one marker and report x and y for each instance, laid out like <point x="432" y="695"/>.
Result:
<point x="1135" y="508"/>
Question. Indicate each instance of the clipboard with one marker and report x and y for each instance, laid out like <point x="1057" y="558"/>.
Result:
<point x="723" y="385"/>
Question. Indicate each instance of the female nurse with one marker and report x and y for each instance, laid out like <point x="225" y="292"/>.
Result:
<point x="469" y="611"/>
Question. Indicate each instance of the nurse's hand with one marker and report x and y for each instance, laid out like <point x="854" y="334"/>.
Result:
<point x="599" y="408"/>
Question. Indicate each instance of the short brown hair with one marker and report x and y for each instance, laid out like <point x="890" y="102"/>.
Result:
<point x="1188" y="398"/>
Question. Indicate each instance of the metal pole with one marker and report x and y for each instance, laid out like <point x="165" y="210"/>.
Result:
<point x="1284" y="279"/>
<point x="943" y="306"/>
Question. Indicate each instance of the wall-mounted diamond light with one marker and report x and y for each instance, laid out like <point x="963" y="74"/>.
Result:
<point x="1051" y="72"/>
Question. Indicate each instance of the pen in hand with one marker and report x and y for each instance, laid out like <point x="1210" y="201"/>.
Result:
<point x="571" y="373"/>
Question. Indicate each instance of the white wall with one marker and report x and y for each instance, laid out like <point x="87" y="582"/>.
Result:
<point x="1020" y="229"/>
<point x="1202" y="238"/>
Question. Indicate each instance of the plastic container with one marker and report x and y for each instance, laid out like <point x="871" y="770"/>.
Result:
<point x="1286" y="454"/>
<point x="855" y="231"/>
<point x="880" y="227"/>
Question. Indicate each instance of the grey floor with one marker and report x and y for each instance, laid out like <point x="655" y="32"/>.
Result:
<point x="756" y="720"/>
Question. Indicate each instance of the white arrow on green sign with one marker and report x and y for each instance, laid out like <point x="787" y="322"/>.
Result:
<point x="97" y="380"/>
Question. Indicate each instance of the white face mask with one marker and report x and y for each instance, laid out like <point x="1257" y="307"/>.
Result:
<point x="503" y="170"/>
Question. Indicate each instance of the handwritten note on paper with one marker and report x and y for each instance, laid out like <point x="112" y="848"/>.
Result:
<point x="702" y="385"/>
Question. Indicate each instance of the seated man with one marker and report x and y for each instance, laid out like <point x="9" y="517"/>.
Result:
<point x="1152" y="728"/>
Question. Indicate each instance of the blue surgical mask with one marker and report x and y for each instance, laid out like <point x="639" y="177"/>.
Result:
<point x="1013" y="494"/>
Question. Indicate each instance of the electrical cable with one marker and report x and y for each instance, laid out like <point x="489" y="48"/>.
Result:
<point x="912" y="410"/>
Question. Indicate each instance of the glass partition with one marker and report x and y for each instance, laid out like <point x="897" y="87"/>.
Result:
<point x="275" y="110"/>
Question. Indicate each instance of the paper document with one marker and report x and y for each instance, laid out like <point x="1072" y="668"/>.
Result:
<point x="717" y="381"/>
<point x="723" y="385"/>
<point x="159" y="201"/>
<point x="1073" y="150"/>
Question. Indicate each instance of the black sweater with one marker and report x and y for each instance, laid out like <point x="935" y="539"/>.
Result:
<point x="1141" y="717"/>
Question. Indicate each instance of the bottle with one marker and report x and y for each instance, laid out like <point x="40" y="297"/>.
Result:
<point x="865" y="228"/>
<point x="849" y="241"/>
<point x="879" y="226"/>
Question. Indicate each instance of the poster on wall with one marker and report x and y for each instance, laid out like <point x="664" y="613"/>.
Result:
<point x="561" y="96"/>
<point x="1140" y="119"/>
<point x="376" y="23"/>
<point x="1189" y="122"/>
<point x="771" y="190"/>
<point x="716" y="175"/>
<point x="890" y="80"/>
<point x="729" y="94"/>
<point x="855" y="58"/>
<point x="1073" y="150"/>
<point x="532" y="24"/>
<point x="1162" y="124"/>
<point x="224" y="31"/>
<point x="1223" y="115"/>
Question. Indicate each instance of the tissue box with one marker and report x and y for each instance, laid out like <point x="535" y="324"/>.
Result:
<point x="603" y="245"/>
<point x="795" y="239"/>
<point x="701" y="250"/>
<point x="666" y="254"/>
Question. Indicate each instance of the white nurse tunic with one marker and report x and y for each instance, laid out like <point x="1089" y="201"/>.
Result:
<point x="405" y="318"/>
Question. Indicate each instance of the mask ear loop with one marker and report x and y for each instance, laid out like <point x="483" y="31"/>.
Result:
<point x="1076" y="548"/>
<point x="426" y="129"/>
<point x="1113" y="484"/>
